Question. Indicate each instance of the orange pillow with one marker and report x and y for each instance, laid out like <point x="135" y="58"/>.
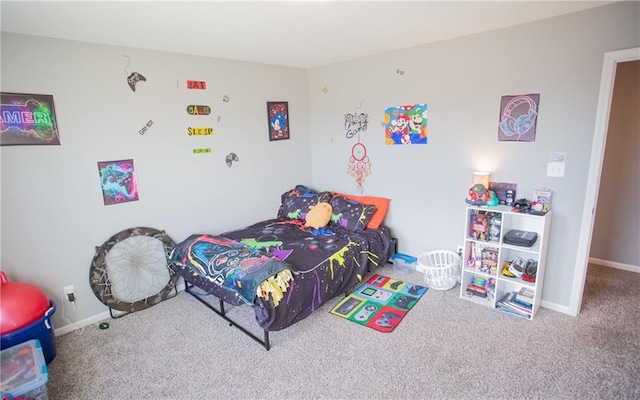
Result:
<point x="381" y="203"/>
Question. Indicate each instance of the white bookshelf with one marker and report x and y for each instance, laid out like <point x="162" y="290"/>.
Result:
<point x="480" y="254"/>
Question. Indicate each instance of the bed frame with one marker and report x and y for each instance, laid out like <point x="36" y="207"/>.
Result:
<point x="264" y="341"/>
<point x="222" y="313"/>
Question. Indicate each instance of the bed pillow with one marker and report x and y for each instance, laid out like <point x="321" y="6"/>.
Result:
<point x="382" y="206"/>
<point x="350" y="214"/>
<point x="296" y="204"/>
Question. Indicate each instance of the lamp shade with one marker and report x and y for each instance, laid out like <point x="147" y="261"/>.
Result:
<point x="481" y="178"/>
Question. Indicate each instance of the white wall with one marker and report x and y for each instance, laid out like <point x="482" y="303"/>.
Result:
<point x="462" y="80"/>
<point x="53" y="215"/>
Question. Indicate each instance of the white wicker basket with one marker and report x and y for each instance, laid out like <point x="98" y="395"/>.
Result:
<point x="441" y="268"/>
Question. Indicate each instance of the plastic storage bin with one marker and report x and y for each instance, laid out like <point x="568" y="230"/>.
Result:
<point x="403" y="263"/>
<point x="41" y="329"/>
<point x="441" y="268"/>
<point x="24" y="372"/>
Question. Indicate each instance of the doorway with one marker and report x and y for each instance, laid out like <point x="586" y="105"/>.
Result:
<point x="611" y="60"/>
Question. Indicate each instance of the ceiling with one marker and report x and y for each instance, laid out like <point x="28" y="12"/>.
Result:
<point x="302" y="34"/>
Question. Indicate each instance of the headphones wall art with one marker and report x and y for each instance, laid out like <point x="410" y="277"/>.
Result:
<point x="518" y="118"/>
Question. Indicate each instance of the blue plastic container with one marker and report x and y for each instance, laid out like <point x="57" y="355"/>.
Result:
<point x="40" y="329"/>
<point x="404" y="263"/>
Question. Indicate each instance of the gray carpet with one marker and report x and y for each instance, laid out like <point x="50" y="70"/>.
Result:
<point x="445" y="348"/>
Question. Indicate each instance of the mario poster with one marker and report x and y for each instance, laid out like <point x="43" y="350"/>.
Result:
<point x="406" y="124"/>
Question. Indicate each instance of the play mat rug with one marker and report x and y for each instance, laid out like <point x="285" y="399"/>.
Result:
<point x="380" y="303"/>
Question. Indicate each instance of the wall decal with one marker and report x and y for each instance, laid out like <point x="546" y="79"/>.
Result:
<point x="231" y="157"/>
<point x="399" y="72"/>
<point x="359" y="164"/>
<point x="146" y="127"/>
<point x="118" y="181"/>
<point x="28" y="119"/>
<point x="518" y="118"/>
<point x="406" y="124"/>
<point x="325" y="90"/>
<point x="225" y="98"/>
<point x="202" y="150"/>
<point x="355" y="123"/>
<point x="198" y="110"/>
<point x="219" y="118"/>
<point x="200" y="85"/>
<point x="278" y="113"/>
<point x="199" y="131"/>
<point x="134" y="77"/>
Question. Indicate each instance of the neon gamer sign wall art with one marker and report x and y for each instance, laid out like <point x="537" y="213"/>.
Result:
<point x="28" y="119"/>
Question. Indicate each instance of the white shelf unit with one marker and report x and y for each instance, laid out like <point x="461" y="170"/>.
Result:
<point x="481" y="253"/>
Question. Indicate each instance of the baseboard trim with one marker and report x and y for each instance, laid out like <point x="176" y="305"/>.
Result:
<point x="612" y="264"/>
<point x="556" y="307"/>
<point x="96" y="318"/>
<point x="81" y="324"/>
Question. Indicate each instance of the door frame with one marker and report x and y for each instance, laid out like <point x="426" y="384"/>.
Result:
<point x="611" y="60"/>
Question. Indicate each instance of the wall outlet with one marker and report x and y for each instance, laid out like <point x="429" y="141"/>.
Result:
<point x="70" y="292"/>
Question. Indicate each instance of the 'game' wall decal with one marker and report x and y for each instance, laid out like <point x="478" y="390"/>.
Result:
<point x="202" y="150"/>
<point x="198" y="110"/>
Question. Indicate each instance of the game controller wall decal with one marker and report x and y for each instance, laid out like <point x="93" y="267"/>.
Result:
<point x="231" y="157"/>
<point x="134" y="77"/>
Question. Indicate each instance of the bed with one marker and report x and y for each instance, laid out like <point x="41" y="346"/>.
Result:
<point x="283" y="269"/>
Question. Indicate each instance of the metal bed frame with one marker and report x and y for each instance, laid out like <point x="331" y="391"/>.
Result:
<point x="222" y="313"/>
<point x="264" y="341"/>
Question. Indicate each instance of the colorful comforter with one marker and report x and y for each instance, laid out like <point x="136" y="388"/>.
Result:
<point x="232" y="265"/>
<point x="323" y="263"/>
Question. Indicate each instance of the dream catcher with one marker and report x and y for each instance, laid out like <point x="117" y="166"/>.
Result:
<point x="359" y="164"/>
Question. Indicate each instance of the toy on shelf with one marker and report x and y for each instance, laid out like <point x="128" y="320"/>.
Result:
<point x="493" y="199"/>
<point x="541" y="200"/>
<point x="478" y="195"/>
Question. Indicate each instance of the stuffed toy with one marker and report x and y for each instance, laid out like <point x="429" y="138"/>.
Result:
<point x="319" y="215"/>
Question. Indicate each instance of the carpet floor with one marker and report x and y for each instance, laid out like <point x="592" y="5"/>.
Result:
<point x="445" y="348"/>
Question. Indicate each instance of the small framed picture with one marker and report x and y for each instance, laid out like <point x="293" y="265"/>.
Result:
<point x="278" y="113"/>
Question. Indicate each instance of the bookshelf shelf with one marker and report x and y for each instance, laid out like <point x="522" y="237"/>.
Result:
<point x="486" y="254"/>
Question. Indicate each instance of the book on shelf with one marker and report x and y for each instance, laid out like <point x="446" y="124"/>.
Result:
<point x="509" y="305"/>
<point x="524" y="297"/>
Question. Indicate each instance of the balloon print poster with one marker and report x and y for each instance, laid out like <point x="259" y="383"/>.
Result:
<point x="406" y="124"/>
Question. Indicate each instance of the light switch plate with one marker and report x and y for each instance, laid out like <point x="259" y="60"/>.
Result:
<point x="555" y="169"/>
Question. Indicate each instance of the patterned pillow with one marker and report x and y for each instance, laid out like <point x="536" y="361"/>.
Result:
<point x="350" y="214"/>
<point x="295" y="203"/>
